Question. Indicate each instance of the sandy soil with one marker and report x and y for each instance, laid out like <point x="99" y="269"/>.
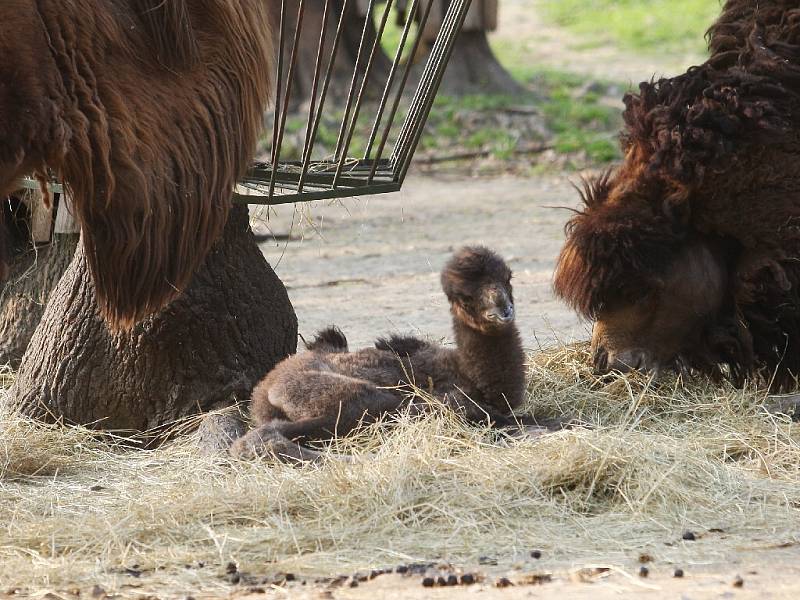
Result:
<point x="372" y="265"/>
<point x="772" y="574"/>
<point x="551" y="46"/>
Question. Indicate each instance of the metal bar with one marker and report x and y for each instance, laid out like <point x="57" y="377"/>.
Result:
<point x="418" y="102"/>
<point x="308" y="143"/>
<point x="360" y="101"/>
<point x="353" y="82"/>
<point x="383" y="188"/>
<point x="33" y="184"/>
<point x="278" y="82"/>
<point x="415" y="105"/>
<point x="447" y="39"/>
<point x="326" y="85"/>
<point x="263" y="176"/>
<point x="399" y="96"/>
<point x="316" y="181"/>
<point x="289" y="82"/>
<point x="398" y="57"/>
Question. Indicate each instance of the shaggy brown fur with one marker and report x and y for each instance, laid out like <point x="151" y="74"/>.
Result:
<point x="328" y="391"/>
<point x="712" y="163"/>
<point x="149" y="111"/>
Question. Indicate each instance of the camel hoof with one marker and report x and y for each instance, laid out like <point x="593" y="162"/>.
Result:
<point x="249" y="447"/>
<point x="784" y="405"/>
<point x="218" y="432"/>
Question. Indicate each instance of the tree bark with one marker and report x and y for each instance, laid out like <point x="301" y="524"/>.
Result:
<point x="474" y="69"/>
<point x="346" y="62"/>
<point x="34" y="273"/>
<point x="205" y="350"/>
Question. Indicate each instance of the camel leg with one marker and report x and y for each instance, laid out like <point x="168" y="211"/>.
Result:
<point x="276" y="440"/>
<point x="339" y="406"/>
<point x="217" y="432"/>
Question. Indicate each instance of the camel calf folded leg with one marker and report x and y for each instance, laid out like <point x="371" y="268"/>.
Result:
<point x="290" y="418"/>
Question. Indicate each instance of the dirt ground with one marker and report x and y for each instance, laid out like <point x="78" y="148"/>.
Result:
<point x="596" y="583"/>
<point x="372" y="265"/>
<point x="551" y="46"/>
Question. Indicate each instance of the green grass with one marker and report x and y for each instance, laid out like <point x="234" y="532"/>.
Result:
<point x="577" y="117"/>
<point x="644" y="25"/>
<point x="580" y="123"/>
<point x="578" y="120"/>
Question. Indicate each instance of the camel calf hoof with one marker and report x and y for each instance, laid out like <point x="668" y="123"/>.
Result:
<point x="218" y="432"/>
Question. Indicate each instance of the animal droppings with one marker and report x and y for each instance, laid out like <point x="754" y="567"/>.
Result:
<point x="428" y="582"/>
<point x="678" y="573"/>
<point x="738" y="582"/>
<point x="503" y="582"/>
<point x="441" y="581"/>
<point x="467" y="579"/>
<point x="401" y="569"/>
<point x="644" y="571"/>
<point x="234" y="578"/>
<point x="689" y="536"/>
<point x="536" y="579"/>
<point x="537" y="554"/>
<point x="231" y="568"/>
<point x="645" y="558"/>
<point x="452" y="580"/>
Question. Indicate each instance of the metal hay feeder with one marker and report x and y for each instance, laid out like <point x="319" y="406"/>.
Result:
<point x="384" y="161"/>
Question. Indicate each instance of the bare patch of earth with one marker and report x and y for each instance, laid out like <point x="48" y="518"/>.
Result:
<point x="772" y="573"/>
<point x="521" y="22"/>
<point x="372" y="265"/>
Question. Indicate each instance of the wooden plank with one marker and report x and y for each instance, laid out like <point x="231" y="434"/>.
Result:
<point x="41" y="215"/>
<point x="65" y="219"/>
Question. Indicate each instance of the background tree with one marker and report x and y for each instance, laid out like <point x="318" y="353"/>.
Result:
<point x="473" y="68"/>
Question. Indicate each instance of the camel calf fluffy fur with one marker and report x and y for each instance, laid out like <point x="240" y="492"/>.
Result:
<point x="329" y="391"/>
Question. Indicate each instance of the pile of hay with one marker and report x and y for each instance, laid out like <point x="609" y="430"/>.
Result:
<point x="652" y="461"/>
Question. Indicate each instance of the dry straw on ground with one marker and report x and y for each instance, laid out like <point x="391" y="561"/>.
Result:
<point x="652" y="461"/>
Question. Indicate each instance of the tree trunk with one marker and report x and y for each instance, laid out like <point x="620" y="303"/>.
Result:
<point x="474" y="69"/>
<point x="34" y="273"/>
<point x="346" y="57"/>
<point x="205" y="350"/>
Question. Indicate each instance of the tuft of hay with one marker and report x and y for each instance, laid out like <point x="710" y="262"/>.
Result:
<point x="645" y="463"/>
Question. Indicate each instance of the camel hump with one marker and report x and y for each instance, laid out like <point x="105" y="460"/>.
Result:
<point x="169" y="26"/>
<point x="401" y="345"/>
<point x="330" y="339"/>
